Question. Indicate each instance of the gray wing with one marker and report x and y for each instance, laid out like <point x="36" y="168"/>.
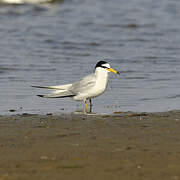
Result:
<point x="84" y="84"/>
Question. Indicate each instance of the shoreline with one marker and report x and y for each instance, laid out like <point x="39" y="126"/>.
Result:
<point x="76" y="146"/>
<point x="13" y="112"/>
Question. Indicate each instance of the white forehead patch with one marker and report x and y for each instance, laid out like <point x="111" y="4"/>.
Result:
<point x="106" y="65"/>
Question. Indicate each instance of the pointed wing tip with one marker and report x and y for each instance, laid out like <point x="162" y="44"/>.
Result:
<point x="37" y="86"/>
<point x="40" y="95"/>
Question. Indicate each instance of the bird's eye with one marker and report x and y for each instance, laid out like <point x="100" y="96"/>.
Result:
<point x="104" y="67"/>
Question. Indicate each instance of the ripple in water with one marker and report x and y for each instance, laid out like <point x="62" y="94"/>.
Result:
<point x="59" y="43"/>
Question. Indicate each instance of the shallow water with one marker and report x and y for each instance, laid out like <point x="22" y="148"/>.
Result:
<point x="61" y="42"/>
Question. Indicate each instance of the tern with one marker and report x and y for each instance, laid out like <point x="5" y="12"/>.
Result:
<point x="85" y="89"/>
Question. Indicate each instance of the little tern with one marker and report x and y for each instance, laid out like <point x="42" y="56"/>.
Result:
<point x="87" y="88"/>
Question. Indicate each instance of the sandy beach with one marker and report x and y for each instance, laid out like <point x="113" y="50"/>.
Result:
<point x="74" y="146"/>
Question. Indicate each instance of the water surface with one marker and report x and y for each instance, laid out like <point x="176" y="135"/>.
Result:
<point x="61" y="42"/>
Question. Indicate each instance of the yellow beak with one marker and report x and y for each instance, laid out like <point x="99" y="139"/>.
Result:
<point x="114" y="71"/>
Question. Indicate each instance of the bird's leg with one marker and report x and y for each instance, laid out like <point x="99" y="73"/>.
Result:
<point x="90" y="102"/>
<point x="85" y="103"/>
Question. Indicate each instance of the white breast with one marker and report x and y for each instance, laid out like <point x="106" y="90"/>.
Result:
<point x="100" y="86"/>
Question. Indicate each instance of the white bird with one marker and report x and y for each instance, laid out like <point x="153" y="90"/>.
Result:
<point x="87" y="88"/>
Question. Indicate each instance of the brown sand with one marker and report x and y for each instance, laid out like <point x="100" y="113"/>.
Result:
<point x="86" y="147"/>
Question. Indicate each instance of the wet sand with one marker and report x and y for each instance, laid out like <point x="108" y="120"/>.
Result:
<point x="120" y="146"/>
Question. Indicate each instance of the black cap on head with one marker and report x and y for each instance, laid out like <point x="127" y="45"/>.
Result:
<point x="100" y="63"/>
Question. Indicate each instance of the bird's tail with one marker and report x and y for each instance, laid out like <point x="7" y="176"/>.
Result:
<point x="60" y="87"/>
<point x="61" y="91"/>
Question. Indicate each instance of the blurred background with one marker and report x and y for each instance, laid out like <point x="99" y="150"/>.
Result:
<point x="60" y="42"/>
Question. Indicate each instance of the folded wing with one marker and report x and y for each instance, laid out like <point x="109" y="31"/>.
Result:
<point x="83" y="85"/>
